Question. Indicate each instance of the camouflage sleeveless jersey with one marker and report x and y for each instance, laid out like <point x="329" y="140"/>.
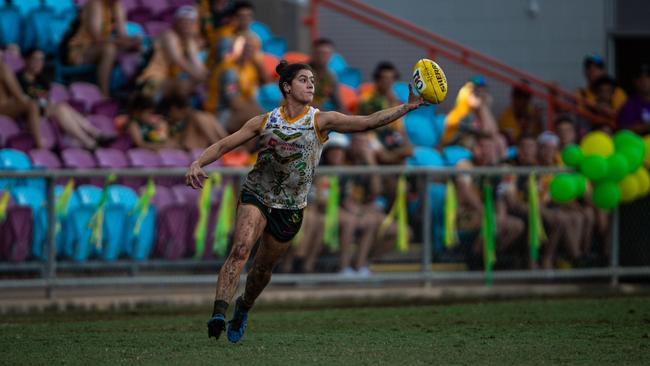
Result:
<point x="291" y="149"/>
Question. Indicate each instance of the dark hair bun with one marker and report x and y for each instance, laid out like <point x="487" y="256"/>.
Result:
<point x="282" y="66"/>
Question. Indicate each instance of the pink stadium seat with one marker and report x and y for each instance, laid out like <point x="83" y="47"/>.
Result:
<point x="42" y="158"/>
<point x="154" y="27"/>
<point x="16" y="233"/>
<point x="87" y="93"/>
<point x="111" y="159"/>
<point x="58" y="93"/>
<point x="8" y="129"/>
<point x="15" y="62"/>
<point x="108" y="108"/>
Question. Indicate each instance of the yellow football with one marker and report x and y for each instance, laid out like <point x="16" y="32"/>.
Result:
<point x="430" y="81"/>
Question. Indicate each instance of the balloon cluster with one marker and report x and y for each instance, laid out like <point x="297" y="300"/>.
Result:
<point x="613" y="165"/>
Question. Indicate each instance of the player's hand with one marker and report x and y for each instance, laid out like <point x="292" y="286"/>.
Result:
<point x="414" y="100"/>
<point x="195" y="175"/>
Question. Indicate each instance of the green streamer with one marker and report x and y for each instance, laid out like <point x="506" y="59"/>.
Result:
<point x="488" y="233"/>
<point x="204" y="210"/>
<point x="398" y="213"/>
<point x="331" y="233"/>
<point x="451" y="212"/>
<point x="225" y="221"/>
<point x="61" y="207"/>
<point x="4" y="202"/>
<point x="536" y="233"/>
<point x="96" y="223"/>
<point x="143" y="205"/>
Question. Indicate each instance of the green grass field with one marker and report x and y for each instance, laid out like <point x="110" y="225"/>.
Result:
<point x="607" y="331"/>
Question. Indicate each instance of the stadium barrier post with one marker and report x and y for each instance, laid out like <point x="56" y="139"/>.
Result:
<point x="427" y="254"/>
<point x="614" y="265"/>
<point x="50" y="273"/>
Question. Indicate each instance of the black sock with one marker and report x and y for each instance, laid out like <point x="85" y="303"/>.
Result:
<point x="220" y="307"/>
<point x="243" y="305"/>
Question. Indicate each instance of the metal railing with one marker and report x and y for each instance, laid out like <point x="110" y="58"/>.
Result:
<point x="49" y="267"/>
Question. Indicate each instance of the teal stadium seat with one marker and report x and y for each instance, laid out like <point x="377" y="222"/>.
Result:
<point x="37" y="30"/>
<point x="337" y="64"/>
<point x="350" y="76"/>
<point x="124" y="200"/>
<point x="455" y="153"/>
<point x="81" y="248"/>
<point x="425" y="156"/>
<point x="420" y="131"/>
<point x="10" y="19"/>
<point x="269" y="96"/>
<point x="276" y="46"/>
<point x="262" y="31"/>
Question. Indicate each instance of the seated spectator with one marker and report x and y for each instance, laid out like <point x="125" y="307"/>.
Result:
<point x="147" y="129"/>
<point x="635" y="114"/>
<point x="509" y="228"/>
<point x="471" y="115"/>
<point x="227" y="41"/>
<point x="594" y="69"/>
<point x="521" y="117"/>
<point x="174" y="67"/>
<point x="214" y="15"/>
<point x="90" y="38"/>
<point x="567" y="130"/>
<point x="192" y="129"/>
<point x="604" y="88"/>
<point x="231" y="90"/>
<point x="17" y="105"/>
<point x="394" y="146"/>
<point x="37" y="86"/>
<point x="326" y="94"/>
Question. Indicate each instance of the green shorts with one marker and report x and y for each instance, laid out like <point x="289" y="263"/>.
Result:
<point x="282" y="224"/>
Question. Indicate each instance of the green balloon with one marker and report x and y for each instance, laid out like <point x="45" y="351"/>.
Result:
<point x="606" y="195"/>
<point x="581" y="184"/>
<point x="626" y="138"/>
<point x="572" y="155"/>
<point x="594" y="167"/>
<point x="633" y="155"/>
<point x="563" y="188"/>
<point x="618" y="167"/>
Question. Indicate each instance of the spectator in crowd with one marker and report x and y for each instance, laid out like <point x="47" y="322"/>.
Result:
<point x="231" y="90"/>
<point x="326" y="95"/>
<point x="90" y="38"/>
<point x="394" y="146"/>
<point x="147" y="129"/>
<point x="635" y="114"/>
<point x="566" y="129"/>
<point x="471" y="115"/>
<point x="174" y="67"/>
<point x="228" y="41"/>
<point x="604" y="89"/>
<point x="192" y="129"/>
<point x="215" y="14"/>
<point x="521" y="117"/>
<point x="509" y="228"/>
<point x="594" y="69"/>
<point x="17" y="105"/>
<point x="36" y="85"/>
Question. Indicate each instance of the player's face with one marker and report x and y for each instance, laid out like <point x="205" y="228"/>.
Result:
<point x="302" y="86"/>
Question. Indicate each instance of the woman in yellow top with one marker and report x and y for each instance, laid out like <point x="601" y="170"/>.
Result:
<point x="232" y="87"/>
<point x="96" y="37"/>
<point x="174" y="66"/>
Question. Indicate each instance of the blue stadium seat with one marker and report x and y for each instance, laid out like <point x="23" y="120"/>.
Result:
<point x="9" y="26"/>
<point x="269" y="96"/>
<point x="25" y="6"/>
<point x="81" y="248"/>
<point x="62" y="7"/>
<point x="135" y="29"/>
<point x="401" y="90"/>
<point x="437" y="192"/>
<point x="262" y="31"/>
<point x="425" y="156"/>
<point x="350" y="76"/>
<point x="337" y="63"/>
<point x="453" y="154"/>
<point x="35" y="199"/>
<point x="11" y="159"/>
<point x="419" y="130"/>
<point x="58" y="26"/>
<point x="37" y="30"/>
<point x="64" y="236"/>
<point x="276" y="46"/>
<point x="511" y="152"/>
<point x="122" y="200"/>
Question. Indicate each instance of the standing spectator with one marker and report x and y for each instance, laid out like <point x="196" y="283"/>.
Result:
<point x="604" y="89"/>
<point x="521" y="117"/>
<point x="90" y="39"/>
<point x="394" y="145"/>
<point x="174" y="67"/>
<point x="215" y="14"/>
<point x="326" y="96"/>
<point x="635" y="114"/>
<point x="193" y="129"/>
<point x="231" y="90"/>
<point x="594" y="69"/>
<point x="15" y="104"/>
<point x="37" y="86"/>
<point x="471" y="115"/>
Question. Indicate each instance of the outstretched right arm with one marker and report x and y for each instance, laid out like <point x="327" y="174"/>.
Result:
<point x="248" y="131"/>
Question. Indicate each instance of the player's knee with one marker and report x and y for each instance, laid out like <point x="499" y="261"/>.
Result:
<point x="240" y="252"/>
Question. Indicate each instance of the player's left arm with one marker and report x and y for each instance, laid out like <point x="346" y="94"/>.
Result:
<point x="338" y="122"/>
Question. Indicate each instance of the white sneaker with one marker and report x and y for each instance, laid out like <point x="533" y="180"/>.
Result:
<point x="348" y="272"/>
<point x="364" y="272"/>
